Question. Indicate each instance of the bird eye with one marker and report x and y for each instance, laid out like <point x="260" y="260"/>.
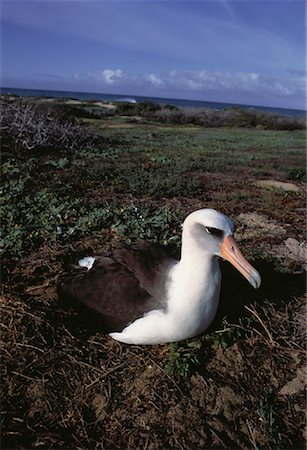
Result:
<point x="214" y="231"/>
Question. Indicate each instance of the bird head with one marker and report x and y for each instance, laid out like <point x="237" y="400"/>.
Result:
<point x="214" y="232"/>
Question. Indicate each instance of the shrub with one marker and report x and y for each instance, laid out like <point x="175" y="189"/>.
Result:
<point x="233" y="117"/>
<point x="34" y="125"/>
<point x="142" y="108"/>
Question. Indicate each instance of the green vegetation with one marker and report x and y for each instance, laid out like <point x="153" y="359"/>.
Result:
<point x="181" y="360"/>
<point x="170" y="114"/>
<point x="45" y="196"/>
<point x="297" y="174"/>
<point x="135" y="172"/>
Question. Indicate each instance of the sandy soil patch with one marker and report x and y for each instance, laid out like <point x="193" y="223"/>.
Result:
<point x="278" y="185"/>
<point x="297" y="384"/>
<point x="294" y="250"/>
<point x="257" y="226"/>
<point x="254" y="225"/>
<point x="105" y="105"/>
<point x="73" y="102"/>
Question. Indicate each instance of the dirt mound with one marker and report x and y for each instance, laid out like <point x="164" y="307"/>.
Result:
<point x="258" y="226"/>
<point x="297" y="384"/>
<point x="254" y="225"/>
<point x="105" y="105"/>
<point x="291" y="187"/>
<point x="294" y="250"/>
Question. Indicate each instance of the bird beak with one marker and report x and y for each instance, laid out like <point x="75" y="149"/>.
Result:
<point x="231" y="252"/>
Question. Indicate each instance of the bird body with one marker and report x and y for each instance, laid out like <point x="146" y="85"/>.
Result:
<point x="140" y="295"/>
<point x="192" y="301"/>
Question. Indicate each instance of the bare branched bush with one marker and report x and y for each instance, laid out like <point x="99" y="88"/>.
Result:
<point x="33" y="125"/>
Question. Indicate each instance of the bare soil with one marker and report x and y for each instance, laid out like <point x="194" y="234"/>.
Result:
<point x="279" y="185"/>
<point x="240" y="385"/>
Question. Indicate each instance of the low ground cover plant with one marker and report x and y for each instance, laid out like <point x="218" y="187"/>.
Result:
<point x="230" y="117"/>
<point x="241" y="384"/>
<point x="234" y="117"/>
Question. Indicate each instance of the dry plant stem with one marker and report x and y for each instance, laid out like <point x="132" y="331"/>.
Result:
<point x="57" y="398"/>
<point x="30" y="346"/>
<point x="251" y="435"/>
<point x="251" y="310"/>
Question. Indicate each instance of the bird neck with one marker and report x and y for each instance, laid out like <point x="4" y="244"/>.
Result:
<point x="191" y="250"/>
<point x="197" y="263"/>
<point x="195" y="287"/>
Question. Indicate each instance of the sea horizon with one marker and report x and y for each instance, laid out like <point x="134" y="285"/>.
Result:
<point x="82" y="96"/>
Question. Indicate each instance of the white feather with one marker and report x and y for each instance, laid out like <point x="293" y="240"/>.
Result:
<point x="87" y="261"/>
<point x="192" y="294"/>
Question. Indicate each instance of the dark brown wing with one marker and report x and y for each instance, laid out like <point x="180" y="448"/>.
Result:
<point x="120" y="287"/>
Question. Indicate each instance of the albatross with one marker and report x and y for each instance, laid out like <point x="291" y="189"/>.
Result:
<point x="139" y="294"/>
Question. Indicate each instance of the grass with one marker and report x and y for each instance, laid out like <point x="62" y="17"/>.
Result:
<point x="237" y="386"/>
<point x="46" y="197"/>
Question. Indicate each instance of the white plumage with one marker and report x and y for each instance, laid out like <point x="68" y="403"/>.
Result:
<point x="193" y="283"/>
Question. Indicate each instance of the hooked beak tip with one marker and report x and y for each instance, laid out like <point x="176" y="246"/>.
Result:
<point x="231" y="253"/>
<point x="255" y="279"/>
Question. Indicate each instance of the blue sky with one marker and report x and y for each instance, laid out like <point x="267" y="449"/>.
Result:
<point x="239" y="51"/>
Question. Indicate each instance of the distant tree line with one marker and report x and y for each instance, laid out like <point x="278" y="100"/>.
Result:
<point x="232" y="117"/>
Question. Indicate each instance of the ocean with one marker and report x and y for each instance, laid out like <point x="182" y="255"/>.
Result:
<point x="136" y="99"/>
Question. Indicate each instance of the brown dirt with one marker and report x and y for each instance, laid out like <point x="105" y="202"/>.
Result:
<point x="64" y="387"/>
<point x="105" y="105"/>
<point x="254" y="225"/>
<point x="296" y="385"/>
<point x="73" y="102"/>
<point x="293" y="250"/>
<point x="278" y="185"/>
<point x="257" y="226"/>
<point x="242" y="386"/>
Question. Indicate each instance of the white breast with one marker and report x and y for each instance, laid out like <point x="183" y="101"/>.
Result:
<point x="193" y="296"/>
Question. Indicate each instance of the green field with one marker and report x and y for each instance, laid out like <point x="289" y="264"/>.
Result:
<point x="238" y="386"/>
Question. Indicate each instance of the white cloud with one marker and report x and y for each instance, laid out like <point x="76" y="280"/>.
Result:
<point x="155" y="80"/>
<point x="109" y="76"/>
<point x="235" y="87"/>
<point x="105" y="78"/>
<point x="232" y="82"/>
